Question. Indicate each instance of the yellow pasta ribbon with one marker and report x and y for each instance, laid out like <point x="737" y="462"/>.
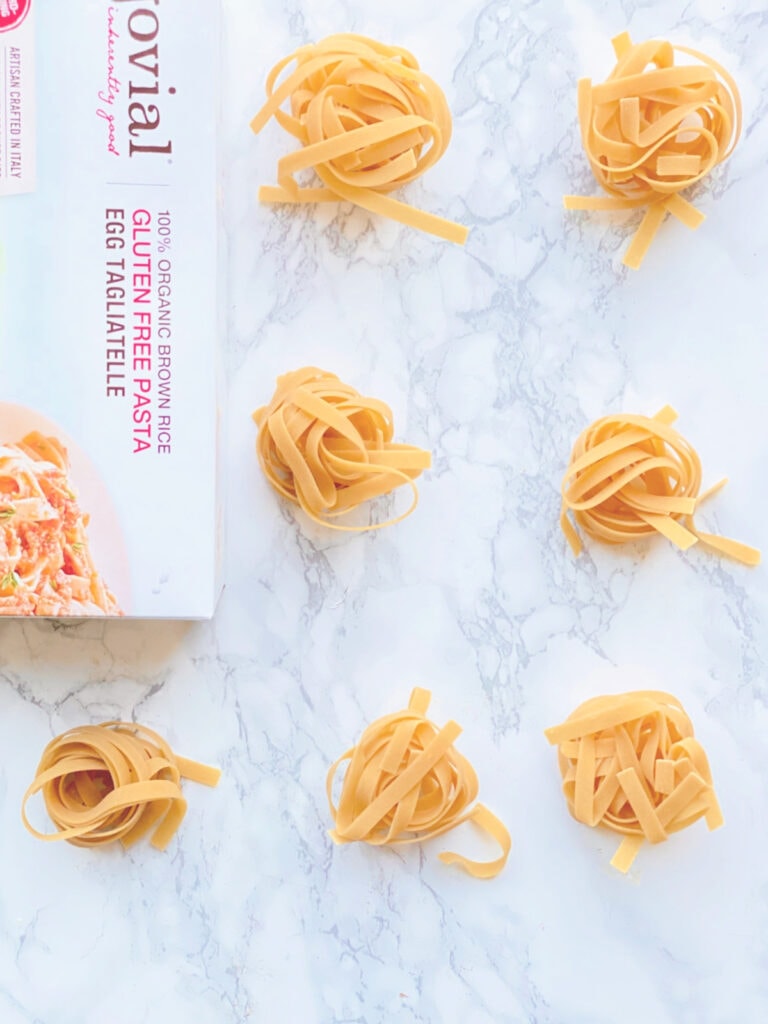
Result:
<point x="406" y="782"/>
<point x="113" y="782"/>
<point x="369" y="121"/>
<point x="633" y="476"/>
<point x="653" y="129"/>
<point x="630" y="763"/>
<point x="329" y="449"/>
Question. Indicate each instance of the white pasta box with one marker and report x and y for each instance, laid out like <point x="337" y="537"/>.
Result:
<point x="110" y="313"/>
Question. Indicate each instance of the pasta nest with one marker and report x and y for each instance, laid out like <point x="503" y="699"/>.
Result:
<point x="653" y="129"/>
<point x="406" y="783"/>
<point x="630" y="763"/>
<point x="369" y="121"/>
<point x="113" y="782"/>
<point x="327" y="448"/>
<point x="633" y="476"/>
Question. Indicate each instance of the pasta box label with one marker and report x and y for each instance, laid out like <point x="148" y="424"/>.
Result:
<point x="109" y="311"/>
<point x="17" y="98"/>
<point x="12" y="13"/>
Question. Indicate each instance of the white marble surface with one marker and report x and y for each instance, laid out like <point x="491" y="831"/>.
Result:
<point x="495" y="357"/>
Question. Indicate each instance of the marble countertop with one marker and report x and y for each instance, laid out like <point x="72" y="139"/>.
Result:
<point x="494" y="357"/>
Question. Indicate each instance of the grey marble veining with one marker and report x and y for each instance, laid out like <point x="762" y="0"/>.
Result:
<point x="494" y="356"/>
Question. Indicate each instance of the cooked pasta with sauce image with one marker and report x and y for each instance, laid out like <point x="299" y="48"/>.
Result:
<point x="46" y="566"/>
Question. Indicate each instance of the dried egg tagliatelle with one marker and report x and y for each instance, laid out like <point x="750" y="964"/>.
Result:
<point x="327" y="448"/>
<point x="653" y="129"/>
<point x="630" y="763"/>
<point x="634" y="476"/>
<point x="406" y="783"/>
<point x="111" y="783"/>
<point x="369" y="121"/>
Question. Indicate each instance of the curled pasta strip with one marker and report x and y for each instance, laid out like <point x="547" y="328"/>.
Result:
<point x="631" y="764"/>
<point x="653" y="129"/>
<point x="632" y="476"/>
<point x="368" y="120"/>
<point x="328" y="449"/>
<point x="406" y="783"/>
<point x="113" y="782"/>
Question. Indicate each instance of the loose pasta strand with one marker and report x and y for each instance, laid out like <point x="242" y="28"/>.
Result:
<point x="635" y="476"/>
<point x="654" y="129"/>
<point x="369" y="121"/>
<point x="405" y="782"/>
<point x="630" y="763"/>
